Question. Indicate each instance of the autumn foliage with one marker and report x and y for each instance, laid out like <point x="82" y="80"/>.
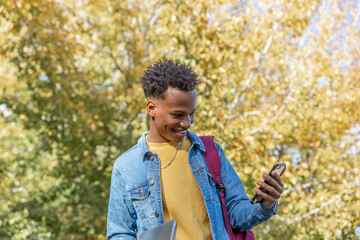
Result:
<point x="280" y="83"/>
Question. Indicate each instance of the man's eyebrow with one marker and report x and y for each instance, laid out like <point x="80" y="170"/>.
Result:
<point x="179" y="111"/>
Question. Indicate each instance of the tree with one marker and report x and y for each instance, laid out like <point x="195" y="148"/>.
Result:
<point x="280" y="84"/>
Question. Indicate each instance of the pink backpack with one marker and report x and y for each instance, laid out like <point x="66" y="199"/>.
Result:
<point x="213" y="162"/>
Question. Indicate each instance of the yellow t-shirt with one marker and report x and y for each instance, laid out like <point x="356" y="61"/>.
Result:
<point x="181" y="195"/>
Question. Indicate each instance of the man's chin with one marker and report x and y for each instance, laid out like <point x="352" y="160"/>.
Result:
<point x="177" y="139"/>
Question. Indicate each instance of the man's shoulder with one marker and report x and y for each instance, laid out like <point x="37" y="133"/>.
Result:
<point x="128" y="156"/>
<point x="130" y="162"/>
<point x="197" y="139"/>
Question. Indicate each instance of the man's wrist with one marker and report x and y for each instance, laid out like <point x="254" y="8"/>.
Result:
<point x="272" y="210"/>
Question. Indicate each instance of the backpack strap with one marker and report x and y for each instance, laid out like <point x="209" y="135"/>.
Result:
<point x="212" y="160"/>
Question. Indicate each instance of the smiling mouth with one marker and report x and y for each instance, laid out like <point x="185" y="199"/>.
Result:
<point x="180" y="131"/>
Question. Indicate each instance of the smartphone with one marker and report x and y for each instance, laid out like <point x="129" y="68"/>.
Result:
<point x="279" y="169"/>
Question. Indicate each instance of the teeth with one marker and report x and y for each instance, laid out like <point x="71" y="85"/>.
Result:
<point x="182" y="131"/>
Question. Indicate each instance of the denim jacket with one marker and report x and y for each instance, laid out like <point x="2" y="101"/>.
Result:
<point x="135" y="203"/>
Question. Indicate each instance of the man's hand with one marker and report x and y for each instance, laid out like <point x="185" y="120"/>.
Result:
<point x="273" y="186"/>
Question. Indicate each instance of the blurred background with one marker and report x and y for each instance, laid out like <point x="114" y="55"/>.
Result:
<point x="280" y="83"/>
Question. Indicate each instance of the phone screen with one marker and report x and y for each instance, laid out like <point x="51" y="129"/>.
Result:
<point x="279" y="169"/>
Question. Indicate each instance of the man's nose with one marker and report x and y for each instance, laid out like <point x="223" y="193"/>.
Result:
<point x="186" y="122"/>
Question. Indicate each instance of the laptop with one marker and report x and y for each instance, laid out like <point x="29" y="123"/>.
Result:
<point x="164" y="231"/>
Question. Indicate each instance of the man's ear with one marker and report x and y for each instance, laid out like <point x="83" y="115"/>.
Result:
<point x="151" y="108"/>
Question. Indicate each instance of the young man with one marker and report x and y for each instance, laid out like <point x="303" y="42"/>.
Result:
<point x="164" y="176"/>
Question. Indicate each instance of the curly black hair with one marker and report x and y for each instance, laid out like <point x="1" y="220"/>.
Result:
<point x="168" y="73"/>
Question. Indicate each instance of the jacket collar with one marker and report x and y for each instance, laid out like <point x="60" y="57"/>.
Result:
<point x="144" y="150"/>
<point x="196" y="140"/>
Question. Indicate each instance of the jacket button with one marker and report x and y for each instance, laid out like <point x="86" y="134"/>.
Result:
<point x="156" y="214"/>
<point x="151" y="182"/>
<point x="151" y="157"/>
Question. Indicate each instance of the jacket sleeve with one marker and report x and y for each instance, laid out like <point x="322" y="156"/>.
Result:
<point x="121" y="219"/>
<point x="243" y="215"/>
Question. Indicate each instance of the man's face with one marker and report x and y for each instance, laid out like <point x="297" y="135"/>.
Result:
<point x="171" y="116"/>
